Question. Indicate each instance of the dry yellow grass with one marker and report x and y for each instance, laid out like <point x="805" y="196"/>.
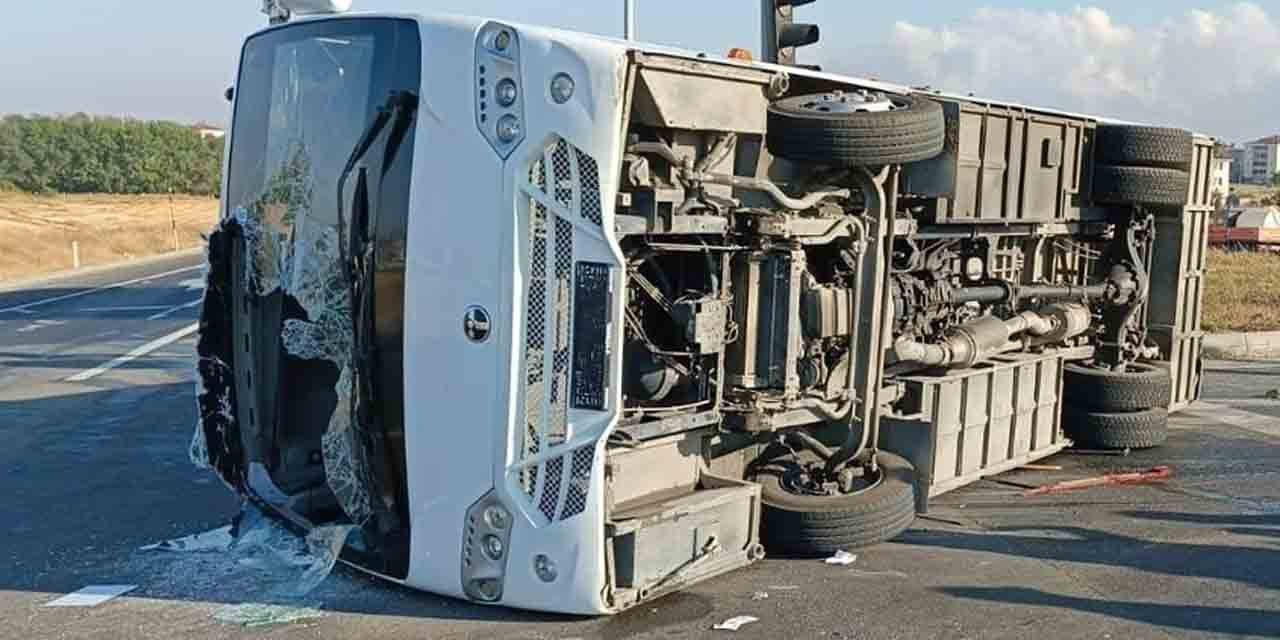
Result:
<point x="36" y="232"/>
<point x="1242" y="291"/>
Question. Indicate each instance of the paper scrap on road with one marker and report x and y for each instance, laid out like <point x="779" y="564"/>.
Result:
<point x="252" y="614"/>
<point x="92" y="595"/>
<point x="735" y="623"/>
<point x="842" y="558"/>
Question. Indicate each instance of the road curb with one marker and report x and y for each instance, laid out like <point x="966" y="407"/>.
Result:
<point x="17" y="285"/>
<point x="1254" y="345"/>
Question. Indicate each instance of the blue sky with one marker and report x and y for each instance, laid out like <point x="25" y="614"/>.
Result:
<point x="154" y="59"/>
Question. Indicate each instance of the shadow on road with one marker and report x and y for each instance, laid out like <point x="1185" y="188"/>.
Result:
<point x="1254" y="566"/>
<point x="1247" y="565"/>
<point x="1215" y="620"/>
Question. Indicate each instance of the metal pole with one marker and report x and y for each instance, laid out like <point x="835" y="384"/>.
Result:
<point x="629" y="19"/>
<point x="769" y="30"/>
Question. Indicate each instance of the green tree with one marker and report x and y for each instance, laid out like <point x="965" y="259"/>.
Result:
<point x="85" y="154"/>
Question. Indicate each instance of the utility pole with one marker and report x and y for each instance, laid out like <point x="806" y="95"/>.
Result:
<point x="629" y="19"/>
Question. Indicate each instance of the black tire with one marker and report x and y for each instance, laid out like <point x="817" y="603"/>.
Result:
<point x="795" y="525"/>
<point x="1125" y="430"/>
<point x="1140" y="185"/>
<point x="1141" y="386"/>
<point x="1145" y="146"/>
<point x="799" y="131"/>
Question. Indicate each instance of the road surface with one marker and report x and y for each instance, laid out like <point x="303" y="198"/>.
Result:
<point x="96" y="413"/>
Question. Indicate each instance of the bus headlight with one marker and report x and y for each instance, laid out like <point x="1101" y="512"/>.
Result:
<point x="486" y="536"/>
<point x="499" y="105"/>
<point x="506" y="92"/>
<point x="562" y="87"/>
<point x="509" y="129"/>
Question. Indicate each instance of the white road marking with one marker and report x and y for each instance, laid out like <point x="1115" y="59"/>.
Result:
<point x="92" y="595"/>
<point x="171" y="310"/>
<point x="1236" y="417"/>
<point x="144" y="350"/>
<point x="192" y="284"/>
<point x="40" y="324"/>
<point x="143" y="307"/>
<point x="106" y="287"/>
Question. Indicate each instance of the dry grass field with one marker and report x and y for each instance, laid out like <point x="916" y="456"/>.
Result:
<point x="1242" y="291"/>
<point x="36" y="232"/>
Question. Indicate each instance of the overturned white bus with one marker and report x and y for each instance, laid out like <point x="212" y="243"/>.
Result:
<point x="566" y="323"/>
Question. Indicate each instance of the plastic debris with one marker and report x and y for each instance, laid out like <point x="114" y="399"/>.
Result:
<point x="92" y="595"/>
<point x="1155" y="474"/>
<point x="213" y="540"/>
<point x="760" y="595"/>
<point x="876" y="574"/>
<point x="1041" y="467"/>
<point x="735" y="623"/>
<point x="289" y="565"/>
<point x="842" y="558"/>
<point x="252" y="614"/>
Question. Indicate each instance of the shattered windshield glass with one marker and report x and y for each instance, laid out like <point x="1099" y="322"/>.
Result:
<point x="303" y="366"/>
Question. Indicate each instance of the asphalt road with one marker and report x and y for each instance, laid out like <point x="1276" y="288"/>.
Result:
<point x="95" y="467"/>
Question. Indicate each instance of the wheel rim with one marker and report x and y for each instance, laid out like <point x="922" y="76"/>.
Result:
<point x="808" y="480"/>
<point x="840" y="102"/>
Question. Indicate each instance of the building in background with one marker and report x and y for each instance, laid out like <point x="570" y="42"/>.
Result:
<point x="1258" y="161"/>
<point x="1239" y="157"/>
<point x="1220" y="178"/>
<point x="207" y="130"/>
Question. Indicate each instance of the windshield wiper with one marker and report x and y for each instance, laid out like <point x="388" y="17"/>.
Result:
<point x="399" y="108"/>
<point x="356" y="256"/>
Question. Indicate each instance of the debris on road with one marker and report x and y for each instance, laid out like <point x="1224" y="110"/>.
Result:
<point x="1155" y="474"/>
<point x="1123" y="453"/>
<point x="842" y="558"/>
<point x="760" y="595"/>
<point x="92" y="595"/>
<point x="1041" y="467"/>
<point x="877" y="574"/>
<point x="219" y="539"/>
<point x="253" y="614"/>
<point x="735" y="623"/>
<point x="290" y="564"/>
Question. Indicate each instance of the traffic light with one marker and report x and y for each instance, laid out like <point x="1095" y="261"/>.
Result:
<point x="781" y="34"/>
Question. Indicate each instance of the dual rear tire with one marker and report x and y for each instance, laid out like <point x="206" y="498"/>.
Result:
<point x="1138" y="165"/>
<point x="1107" y="409"/>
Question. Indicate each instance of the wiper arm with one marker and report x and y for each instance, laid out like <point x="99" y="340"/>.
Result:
<point x="400" y="106"/>
<point x="357" y="263"/>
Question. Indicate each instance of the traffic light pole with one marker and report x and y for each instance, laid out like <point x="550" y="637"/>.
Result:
<point x="629" y="19"/>
<point x="769" y="30"/>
